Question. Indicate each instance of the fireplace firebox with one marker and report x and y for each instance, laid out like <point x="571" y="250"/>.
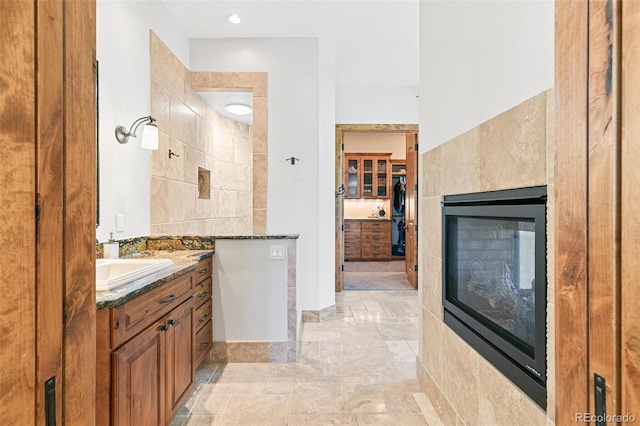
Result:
<point x="494" y="280"/>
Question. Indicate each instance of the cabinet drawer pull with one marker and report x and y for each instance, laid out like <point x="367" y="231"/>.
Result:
<point x="203" y="271"/>
<point x="168" y="300"/>
<point x="172" y="322"/>
<point x="164" y="327"/>
<point x="203" y="294"/>
<point x="204" y="318"/>
<point x="203" y="346"/>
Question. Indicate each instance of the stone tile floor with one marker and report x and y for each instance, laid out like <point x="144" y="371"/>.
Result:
<point x="359" y="369"/>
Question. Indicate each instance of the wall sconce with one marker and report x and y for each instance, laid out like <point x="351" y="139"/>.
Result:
<point x="149" y="132"/>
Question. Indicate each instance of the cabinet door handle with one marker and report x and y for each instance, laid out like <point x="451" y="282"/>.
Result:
<point x="172" y="322"/>
<point x="203" y="271"/>
<point x="164" y="327"/>
<point x="203" y="294"/>
<point x="168" y="300"/>
<point x="203" y="346"/>
<point x="204" y="318"/>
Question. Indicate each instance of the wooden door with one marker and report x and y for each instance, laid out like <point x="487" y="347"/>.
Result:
<point x="139" y="380"/>
<point x="18" y="382"/>
<point x="597" y="231"/>
<point x="47" y="128"/>
<point x="411" y="210"/>
<point x="340" y="194"/>
<point x="630" y="206"/>
<point x="180" y="352"/>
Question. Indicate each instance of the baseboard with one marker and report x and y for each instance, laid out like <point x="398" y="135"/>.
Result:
<point x="322" y="315"/>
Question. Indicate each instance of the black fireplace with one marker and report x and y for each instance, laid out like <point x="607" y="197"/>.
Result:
<point x="494" y="280"/>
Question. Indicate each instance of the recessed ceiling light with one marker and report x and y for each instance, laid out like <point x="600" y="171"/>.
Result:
<point x="234" y="19"/>
<point x="238" y="109"/>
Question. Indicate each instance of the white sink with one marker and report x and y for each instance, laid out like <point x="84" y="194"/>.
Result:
<point x="112" y="273"/>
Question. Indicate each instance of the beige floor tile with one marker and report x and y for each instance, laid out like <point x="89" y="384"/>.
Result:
<point x="345" y="364"/>
<point x="319" y="336"/>
<point x="401" y="351"/>
<point x="391" y="420"/>
<point x="202" y="421"/>
<point x="279" y="385"/>
<point x="210" y="403"/>
<point x="326" y="347"/>
<point x="343" y="395"/>
<point x="256" y="410"/>
<point x="322" y="420"/>
<point x="357" y="369"/>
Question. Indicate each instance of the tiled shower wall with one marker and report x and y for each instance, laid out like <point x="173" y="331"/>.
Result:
<point x="203" y="139"/>
<point x="513" y="150"/>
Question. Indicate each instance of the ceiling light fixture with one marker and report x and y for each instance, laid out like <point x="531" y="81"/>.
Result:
<point x="238" y="109"/>
<point x="234" y="19"/>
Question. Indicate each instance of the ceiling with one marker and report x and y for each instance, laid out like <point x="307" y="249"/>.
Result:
<point x="376" y="41"/>
<point x="219" y="99"/>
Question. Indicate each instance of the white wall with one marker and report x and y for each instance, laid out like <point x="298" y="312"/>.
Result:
<point x="123" y="54"/>
<point x="293" y="192"/>
<point x="366" y="104"/>
<point x="249" y="292"/>
<point x="326" y="175"/>
<point x="478" y="59"/>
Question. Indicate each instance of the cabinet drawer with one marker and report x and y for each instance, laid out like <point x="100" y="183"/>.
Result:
<point x="204" y="340"/>
<point x="203" y="270"/>
<point x="202" y="291"/>
<point x="375" y="227"/>
<point x="135" y="315"/>
<point x="203" y="314"/>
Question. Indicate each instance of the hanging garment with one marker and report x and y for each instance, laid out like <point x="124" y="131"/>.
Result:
<point x="398" y="195"/>
<point x="401" y="236"/>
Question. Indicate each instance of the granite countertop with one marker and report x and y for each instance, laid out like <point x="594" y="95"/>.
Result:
<point x="259" y="237"/>
<point x="370" y="219"/>
<point x="184" y="261"/>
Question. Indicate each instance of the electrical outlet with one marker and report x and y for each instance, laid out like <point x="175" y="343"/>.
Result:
<point x="120" y="222"/>
<point x="276" y="252"/>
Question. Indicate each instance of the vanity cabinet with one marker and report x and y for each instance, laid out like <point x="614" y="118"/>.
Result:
<point x="367" y="239"/>
<point x="367" y="175"/>
<point x="148" y="350"/>
<point x="203" y="316"/>
<point x="153" y="373"/>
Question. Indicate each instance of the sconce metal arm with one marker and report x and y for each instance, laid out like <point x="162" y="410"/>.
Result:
<point x="122" y="135"/>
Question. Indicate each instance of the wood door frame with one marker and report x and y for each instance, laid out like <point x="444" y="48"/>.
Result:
<point x="341" y="129"/>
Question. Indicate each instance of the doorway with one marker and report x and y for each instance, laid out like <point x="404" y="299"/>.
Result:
<point x="369" y="177"/>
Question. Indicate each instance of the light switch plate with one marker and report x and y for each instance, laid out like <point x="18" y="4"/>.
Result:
<point x="119" y="222"/>
<point x="276" y="252"/>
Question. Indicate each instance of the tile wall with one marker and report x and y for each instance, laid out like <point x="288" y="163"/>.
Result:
<point x="512" y="150"/>
<point x="203" y="139"/>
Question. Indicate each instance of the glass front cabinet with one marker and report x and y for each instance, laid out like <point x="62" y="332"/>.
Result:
<point x="367" y="175"/>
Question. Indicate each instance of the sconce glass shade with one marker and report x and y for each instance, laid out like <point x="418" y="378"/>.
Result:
<point x="149" y="137"/>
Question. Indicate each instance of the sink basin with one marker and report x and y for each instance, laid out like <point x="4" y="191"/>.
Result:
<point x="112" y="273"/>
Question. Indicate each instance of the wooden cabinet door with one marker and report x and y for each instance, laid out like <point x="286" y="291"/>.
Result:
<point x="352" y="177"/>
<point x="139" y="380"/>
<point x="180" y="353"/>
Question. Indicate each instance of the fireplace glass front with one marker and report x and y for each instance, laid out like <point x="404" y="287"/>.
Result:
<point x="494" y="281"/>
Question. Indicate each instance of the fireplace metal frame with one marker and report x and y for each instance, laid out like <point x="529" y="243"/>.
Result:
<point x="524" y="367"/>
